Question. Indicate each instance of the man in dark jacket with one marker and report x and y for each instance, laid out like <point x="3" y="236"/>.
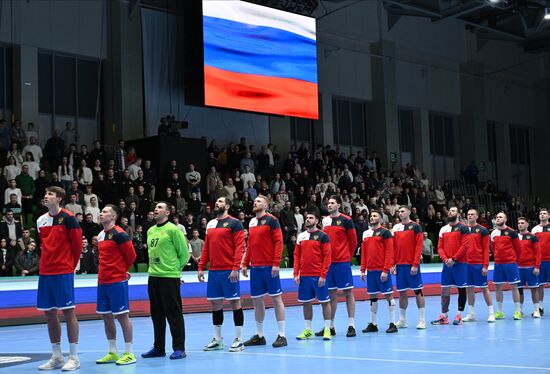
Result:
<point x="27" y="262"/>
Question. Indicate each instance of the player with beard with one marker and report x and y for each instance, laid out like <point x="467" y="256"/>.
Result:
<point x="542" y="232"/>
<point x="529" y="265"/>
<point x="263" y="255"/>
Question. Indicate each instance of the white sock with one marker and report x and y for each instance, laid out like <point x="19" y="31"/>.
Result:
<point x="351" y="322"/>
<point x="446" y="314"/>
<point x="327" y="324"/>
<point x="218" y="332"/>
<point x="281" y="325"/>
<point x="373" y="310"/>
<point x="422" y="314"/>
<point x="536" y="306"/>
<point x="73" y="349"/>
<point x="471" y="310"/>
<point x="112" y="345"/>
<point x="518" y="307"/>
<point x="521" y="306"/>
<point x="308" y="324"/>
<point x="499" y="306"/>
<point x="128" y="347"/>
<point x="56" y="349"/>
<point x="402" y="314"/>
<point x="331" y="323"/>
<point x="260" y="329"/>
<point x="392" y="311"/>
<point x="541" y="304"/>
<point x="491" y="309"/>
<point x="238" y="332"/>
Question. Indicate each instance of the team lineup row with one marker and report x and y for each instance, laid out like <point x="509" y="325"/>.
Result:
<point x="321" y="268"/>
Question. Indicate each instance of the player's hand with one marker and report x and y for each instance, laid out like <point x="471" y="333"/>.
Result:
<point x="363" y="276"/>
<point x="128" y="275"/>
<point x="536" y="271"/>
<point x="383" y="276"/>
<point x="393" y="270"/>
<point x="274" y="271"/>
<point x="200" y="275"/>
<point x="449" y="262"/>
<point x="234" y="276"/>
<point x="297" y="280"/>
<point x="414" y="270"/>
<point x="484" y="272"/>
<point x="321" y="282"/>
<point x="245" y="272"/>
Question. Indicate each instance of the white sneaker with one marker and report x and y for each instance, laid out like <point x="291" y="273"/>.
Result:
<point x="236" y="346"/>
<point x="55" y="362"/>
<point x="401" y="324"/>
<point x="73" y="363"/>
<point x="491" y="318"/>
<point x="536" y="313"/>
<point x="470" y="317"/>
<point x="421" y="325"/>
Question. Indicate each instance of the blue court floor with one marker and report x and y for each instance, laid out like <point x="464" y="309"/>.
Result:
<point x="506" y="346"/>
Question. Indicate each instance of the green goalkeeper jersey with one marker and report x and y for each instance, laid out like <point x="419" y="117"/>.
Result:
<point x="168" y="251"/>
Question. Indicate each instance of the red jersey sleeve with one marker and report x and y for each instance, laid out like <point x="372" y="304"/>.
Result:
<point x="205" y="255"/>
<point x="75" y="238"/>
<point x="538" y="254"/>
<point x="464" y="243"/>
<point x="238" y="238"/>
<point x="129" y="253"/>
<point x="363" y="256"/>
<point x="277" y="237"/>
<point x="441" y="246"/>
<point x="418" y="244"/>
<point x="327" y="258"/>
<point x="352" y="238"/>
<point x="297" y="256"/>
<point x="486" y="242"/>
<point x="389" y="260"/>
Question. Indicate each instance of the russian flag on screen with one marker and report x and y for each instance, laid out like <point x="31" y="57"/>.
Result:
<point x="259" y="59"/>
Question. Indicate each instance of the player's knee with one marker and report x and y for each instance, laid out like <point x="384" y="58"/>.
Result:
<point x="418" y="292"/>
<point x="373" y="301"/>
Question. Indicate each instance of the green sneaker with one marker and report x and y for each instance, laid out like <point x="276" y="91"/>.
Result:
<point x="327" y="335"/>
<point x="499" y="315"/>
<point x="109" y="358"/>
<point x="306" y="334"/>
<point x="517" y="316"/>
<point x="126" y="359"/>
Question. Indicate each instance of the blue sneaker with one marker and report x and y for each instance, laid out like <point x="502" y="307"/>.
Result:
<point x="153" y="353"/>
<point x="177" y="355"/>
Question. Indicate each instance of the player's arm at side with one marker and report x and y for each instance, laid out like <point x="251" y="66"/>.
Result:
<point x="126" y="246"/>
<point x="441" y="247"/>
<point x="74" y="232"/>
<point x="363" y="259"/>
<point x="238" y="240"/>
<point x="464" y="243"/>
<point x="352" y="237"/>
<point x="277" y="237"/>
<point x="180" y="243"/>
<point x="297" y="258"/>
<point x="418" y="244"/>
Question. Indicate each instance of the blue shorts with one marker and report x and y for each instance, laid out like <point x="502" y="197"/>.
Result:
<point x="544" y="275"/>
<point x="113" y="298"/>
<point x="262" y="283"/>
<point x="405" y="281"/>
<point x="526" y="276"/>
<point x="506" y="273"/>
<point x="475" y="278"/>
<point x="55" y="292"/>
<point x="455" y="276"/>
<point x="309" y="290"/>
<point x="375" y="285"/>
<point x="339" y="276"/>
<point x="220" y="287"/>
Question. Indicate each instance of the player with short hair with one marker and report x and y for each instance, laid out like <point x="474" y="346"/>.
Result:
<point x="377" y="260"/>
<point x="453" y="249"/>
<point x="478" y="266"/>
<point x="116" y="257"/>
<point x="168" y="254"/>
<point x="408" y="241"/>
<point x="223" y="250"/>
<point x="312" y="257"/>
<point x="542" y="232"/>
<point x="61" y="239"/>
<point x="263" y="255"/>
<point x="506" y="248"/>
<point x="343" y="241"/>
<point x="529" y="265"/>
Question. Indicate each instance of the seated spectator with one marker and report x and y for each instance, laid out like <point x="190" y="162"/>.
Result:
<point x="181" y="203"/>
<point x="14" y="206"/>
<point x="7" y="258"/>
<point x="33" y="166"/>
<point x="10" y="229"/>
<point x="11" y="170"/>
<point x="126" y="227"/>
<point x="86" y="264"/>
<point x="12" y="190"/>
<point x="89" y="227"/>
<point x="65" y="173"/>
<point x="24" y="240"/>
<point x="131" y="197"/>
<point x="84" y="174"/>
<point x="31" y="133"/>
<point x="27" y="262"/>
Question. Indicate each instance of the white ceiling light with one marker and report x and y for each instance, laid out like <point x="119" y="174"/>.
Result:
<point x="547" y="14"/>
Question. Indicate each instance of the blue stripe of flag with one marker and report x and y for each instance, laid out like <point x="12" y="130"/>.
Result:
<point x="258" y="50"/>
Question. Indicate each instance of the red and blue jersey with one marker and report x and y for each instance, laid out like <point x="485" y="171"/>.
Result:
<point x="116" y="255"/>
<point x="61" y="238"/>
<point x="408" y="241"/>
<point x="480" y="242"/>
<point x="377" y="250"/>
<point x="506" y="245"/>
<point x="265" y="242"/>
<point x="543" y="235"/>
<point x="223" y="245"/>
<point x="312" y="254"/>
<point x="530" y="251"/>
<point x="453" y="242"/>
<point x="343" y="239"/>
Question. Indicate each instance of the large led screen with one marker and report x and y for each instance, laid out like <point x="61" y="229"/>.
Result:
<point x="259" y="59"/>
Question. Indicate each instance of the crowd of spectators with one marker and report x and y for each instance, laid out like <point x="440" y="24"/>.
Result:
<point x="301" y="179"/>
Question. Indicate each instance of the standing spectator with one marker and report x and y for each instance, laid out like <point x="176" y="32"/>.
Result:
<point x="98" y="153"/>
<point x="87" y="264"/>
<point x="24" y="241"/>
<point x="10" y="228"/>
<point x="7" y="258"/>
<point x="134" y="169"/>
<point x="69" y="135"/>
<point x="65" y="173"/>
<point x="33" y="148"/>
<point x="139" y="245"/>
<point x="27" y="262"/>
<point x="4" y="134"/>
<point x="26" y="184"/>
<point x="150" y="176"/>
<point x="12" y="190"/>
<point x="11" y="170"/>
<point x="14" y="206"/>
<point x="54" y="149"/>
<point x="427" y="249"/>
<point x="89" y="228"/>
<point x="193" y="179"/>
<point x="84" y="174"/>
<point x="196" y="244"/>
<point x="17" y="134"/>
<point x="73" y="206"/>
<point x="16" y="153"/>
<point x="120" y="157"/>
<point x="212" y="180"/>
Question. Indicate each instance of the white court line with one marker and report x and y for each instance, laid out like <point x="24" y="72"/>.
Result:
<point x="421" y="351"/>
<point x="384" y="360"/>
